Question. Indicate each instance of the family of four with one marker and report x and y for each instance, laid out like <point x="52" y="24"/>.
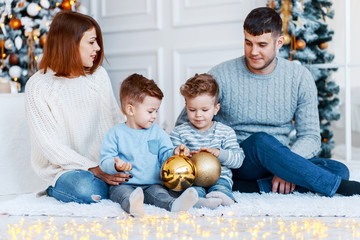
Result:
<point x="241" y="111"/>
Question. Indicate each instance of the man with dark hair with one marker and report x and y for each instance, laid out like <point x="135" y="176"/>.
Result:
<point x="262" y="98"/>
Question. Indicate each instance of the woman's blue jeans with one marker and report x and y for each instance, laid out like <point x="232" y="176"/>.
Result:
<point x="265" y="157"/>
<point x="79" y="186"/>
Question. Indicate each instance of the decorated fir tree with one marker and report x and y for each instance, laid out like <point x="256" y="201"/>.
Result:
<point x="306" y="40"/>
<point x="23" y="28"/>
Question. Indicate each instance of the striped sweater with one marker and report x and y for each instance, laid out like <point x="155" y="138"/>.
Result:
<point x="218" y="136"/>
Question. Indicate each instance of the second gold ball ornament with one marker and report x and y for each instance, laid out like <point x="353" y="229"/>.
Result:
<point x="208" y="169"/>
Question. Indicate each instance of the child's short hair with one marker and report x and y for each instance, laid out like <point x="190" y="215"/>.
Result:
<point x="200" y="84"/>
<point x="135" y="88"/>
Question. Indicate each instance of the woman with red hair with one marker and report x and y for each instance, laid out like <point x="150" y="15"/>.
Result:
<point x="70" y="105"/>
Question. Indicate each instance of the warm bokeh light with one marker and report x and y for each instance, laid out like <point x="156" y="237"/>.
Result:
<point x="182" y="226"/>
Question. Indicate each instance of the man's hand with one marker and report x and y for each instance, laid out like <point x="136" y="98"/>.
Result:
<point x="122" y="166"/>
<point x="115" y="179"/>
<point x="182" y="149"/>
<point x="282" y="186"/>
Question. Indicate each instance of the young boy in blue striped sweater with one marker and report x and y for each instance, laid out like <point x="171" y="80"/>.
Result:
<point x="202" y="134"/>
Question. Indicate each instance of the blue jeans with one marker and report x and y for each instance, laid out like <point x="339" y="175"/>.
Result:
<point x="79" y="186"/>
<point x="222" y="185"/>
<point x="265" y="157"/>
<point x="156" y="195"/>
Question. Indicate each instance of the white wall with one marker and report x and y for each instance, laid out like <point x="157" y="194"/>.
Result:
<point x="169" y="40"/>
<point x="337" y="46"/>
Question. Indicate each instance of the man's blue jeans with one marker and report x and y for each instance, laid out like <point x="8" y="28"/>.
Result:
<point x="79" y="186"/>
<point x="265" y="157"/>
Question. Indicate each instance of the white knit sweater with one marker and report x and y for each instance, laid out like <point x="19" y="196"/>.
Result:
<point x="68" y="118"/>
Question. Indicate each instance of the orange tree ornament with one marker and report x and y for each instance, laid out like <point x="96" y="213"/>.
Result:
<point x="300" y="44"/>
<point x="43" y="39"/>
<point x="66" y="5"/>
<point x="15" y="23"/>
<point x="323" y="45"/>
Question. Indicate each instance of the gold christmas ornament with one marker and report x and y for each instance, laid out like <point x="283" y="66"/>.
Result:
<point x="208" y="169"/>
<point x="300" y="44"/>
<point x="178" y="173"/>
<point x="323" y="45"/>
<point x="287" y="39"/>
<point x="285" y="12"/>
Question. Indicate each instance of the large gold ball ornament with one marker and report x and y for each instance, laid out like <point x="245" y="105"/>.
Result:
<point x="178" y="173"/>
<point x="208" y="169"/>
<point x="300" y="44"/>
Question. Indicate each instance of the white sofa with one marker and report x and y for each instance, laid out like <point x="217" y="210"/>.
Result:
<point x="16" y="175"/>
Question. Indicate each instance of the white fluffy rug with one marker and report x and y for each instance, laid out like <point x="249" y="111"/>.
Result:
<point x="293" y="205"/>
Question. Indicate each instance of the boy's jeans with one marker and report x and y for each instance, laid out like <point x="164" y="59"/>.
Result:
<point x="79" y="186"/>
<point x="222" y="185"/>
<point x="265" y="156"/>
<point x="155" y="194"/>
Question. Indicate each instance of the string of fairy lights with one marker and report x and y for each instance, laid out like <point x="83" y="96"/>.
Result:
<point x="184" y="227"/>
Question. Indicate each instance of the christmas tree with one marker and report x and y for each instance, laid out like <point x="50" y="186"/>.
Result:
<point x="306" y="36"/>
<point x="23" y="27"/>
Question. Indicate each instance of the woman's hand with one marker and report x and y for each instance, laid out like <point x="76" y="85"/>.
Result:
<point x="115" y="179"/>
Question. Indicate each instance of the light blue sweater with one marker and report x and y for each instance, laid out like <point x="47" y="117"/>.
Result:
<point x="269" y="103"/>
<point x="145" y="149"/>
<point x="217" y="136"/>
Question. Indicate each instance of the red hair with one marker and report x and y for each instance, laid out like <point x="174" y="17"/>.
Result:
<point x="61" y="51"/>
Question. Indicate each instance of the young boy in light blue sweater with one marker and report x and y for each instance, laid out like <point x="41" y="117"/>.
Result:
<point x="140" y="147"/>
<point x="201" y="133"/>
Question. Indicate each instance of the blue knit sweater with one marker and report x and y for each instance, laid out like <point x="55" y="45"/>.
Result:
<point x="146" y="149"/>
<point x="269" y="103"/>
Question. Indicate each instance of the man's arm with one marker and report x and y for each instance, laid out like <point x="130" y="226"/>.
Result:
<point x="306" y="118"/>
